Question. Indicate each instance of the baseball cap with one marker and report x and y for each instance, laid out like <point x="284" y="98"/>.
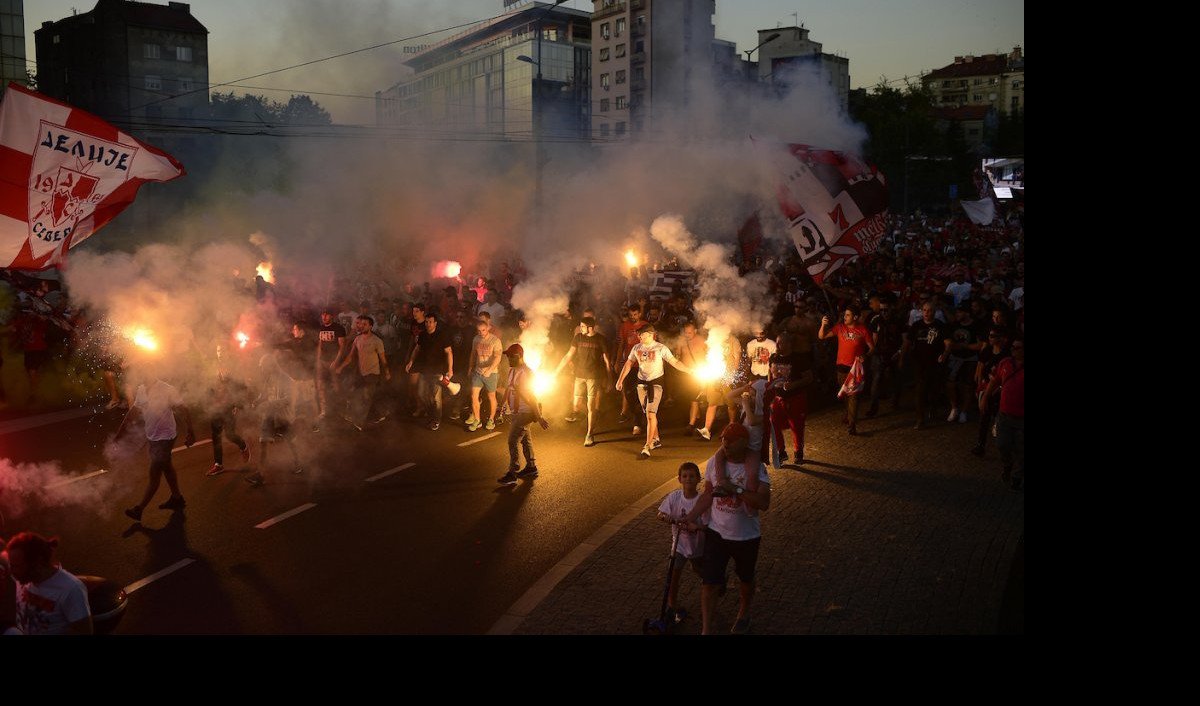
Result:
<point x="735" y="431"/>
<point x="514" y="349"/>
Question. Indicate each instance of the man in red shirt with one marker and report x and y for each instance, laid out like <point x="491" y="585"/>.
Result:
<point x="854" y="343"/>
<point x="1010" y="421"/>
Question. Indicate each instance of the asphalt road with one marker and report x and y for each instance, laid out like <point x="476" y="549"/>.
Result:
<point x="396" y="529"/>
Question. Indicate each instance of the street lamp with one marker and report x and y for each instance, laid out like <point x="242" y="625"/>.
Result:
<point x="770" y="38"/>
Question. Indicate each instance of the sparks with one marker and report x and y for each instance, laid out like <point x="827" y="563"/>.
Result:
<point x="264" y="270"/>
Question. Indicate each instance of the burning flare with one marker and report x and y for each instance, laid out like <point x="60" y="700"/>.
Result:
<point x="447" y="268"/>
<point x="143" y="338"/>
<point x="630" y="259"/>
<point x="543" y="381"/>
<point x="243" y="339"/>
<point x="264" y="271"/>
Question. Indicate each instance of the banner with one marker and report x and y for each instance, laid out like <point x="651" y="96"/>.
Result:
<point x="836" y="205"/>
<point x="981" y="212"/>
<point x="750" y="237"/>
<point x="64" y="174"/>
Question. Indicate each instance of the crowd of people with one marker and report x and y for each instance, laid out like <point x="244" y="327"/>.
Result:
<point x="938" y="307"/>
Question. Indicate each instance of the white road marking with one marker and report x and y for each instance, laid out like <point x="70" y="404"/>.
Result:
<point x="385" y="474"/>
<point x="485" y="437"/>
<point x="142" y="583"/>
<point x="76" y="479"/>
<point x="202" y="442"/>
<point x="280" y="518"/>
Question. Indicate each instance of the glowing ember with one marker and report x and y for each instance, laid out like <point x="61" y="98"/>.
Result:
<point x="630" y="258"/>
<point x="713" y="367"/>
<point x="143" y="339"/>
<point x="243" y="339"/>
<point x="543" y="381"/>
<point x="447" y="268"/>
<point x="264" y="271"/>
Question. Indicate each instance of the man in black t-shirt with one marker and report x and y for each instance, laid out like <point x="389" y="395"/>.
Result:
<point x="883" y="363"/>
<point x="433" y="358"/>
<point x="924" y="344"/>
<point x="589" y="351"/>
<point x="462" y="333"/>
<point x="331" y="346"/>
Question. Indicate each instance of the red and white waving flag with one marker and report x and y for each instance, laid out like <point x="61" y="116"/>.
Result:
<point x="64" y="174"/>
<point x="836" y="205"/>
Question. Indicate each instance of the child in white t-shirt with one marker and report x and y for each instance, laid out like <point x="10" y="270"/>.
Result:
<point x="689" y="547"/>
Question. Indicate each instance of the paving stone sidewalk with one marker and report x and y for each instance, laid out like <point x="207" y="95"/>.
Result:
<point x="895" y="532"/>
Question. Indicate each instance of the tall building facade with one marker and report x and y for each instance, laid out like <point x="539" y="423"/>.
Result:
<point x="995" y="80"/>
<point x="793" y="50"/>
<point x="132" y="63"/>
<point x="12" y="42"/>
<point x="649" y="57"/>
<point x="485" y="79"/>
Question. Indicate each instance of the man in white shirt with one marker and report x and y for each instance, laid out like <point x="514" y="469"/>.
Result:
<point x="650" y="355"/>
<point x="49" y="601"/>
<point x="157" y="405"/>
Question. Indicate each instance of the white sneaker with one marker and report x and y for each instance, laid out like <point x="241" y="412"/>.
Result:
<point x="962" y="417"/>
<point x="645" y="452"/>
<point x="953" y="415"/>
<point x="636" y="431"/>
<point x="704" y="434"/>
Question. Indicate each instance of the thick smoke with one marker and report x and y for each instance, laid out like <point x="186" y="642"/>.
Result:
<point x="386" y="204"/>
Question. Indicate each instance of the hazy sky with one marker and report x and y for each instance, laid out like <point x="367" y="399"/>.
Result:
<point x="881" y="38"/>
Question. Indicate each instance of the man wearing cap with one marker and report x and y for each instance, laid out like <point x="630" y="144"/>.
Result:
<point x="650" y="355"/>
<point x="588" y="349"/>
<point x="735" y="495"/>
<point x="524" y="410"/>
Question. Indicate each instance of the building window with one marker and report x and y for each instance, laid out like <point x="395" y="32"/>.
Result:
<point x="605" y="30"/>
<point x="604" y="81"/>
<point x="183" y="53"/>
<point x="978" y="82"/>
<point x="185" y="84"/>
<point x="603" y="105"/>
<point x="945" y="84"/>
<point x="620" y="129"/>
<point x="620" y="51"/>
<point x="1016" y="103"/>
<point x="604" y="54"/>
<point x="621" y="76"/>
<point x="153" y="83"/>
<point x="1016" y="85"/>
<point x="639" y="73"/>
<point x="56" y="39"/>
<point x="604" y="130"/>
<point x="150" y="51"/>
<point x="976" y="97"/>
<point x="992" y="81"/>
<point x="621" y="104"/>
<point x="620" y="26"/>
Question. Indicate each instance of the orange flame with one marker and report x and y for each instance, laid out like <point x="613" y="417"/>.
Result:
<point x="264" y="270"/>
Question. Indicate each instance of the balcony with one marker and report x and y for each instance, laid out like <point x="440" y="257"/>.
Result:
<point x="638" y="57"/>
<point x="637" y="4"/>
<point x="616" y="8"/>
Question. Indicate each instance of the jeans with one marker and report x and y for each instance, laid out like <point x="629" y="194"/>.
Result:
<point x="1010" y="441"/>
<point x="431" y="392"/>
<point x="520" y="433"/>
<point x="218" y="429"/>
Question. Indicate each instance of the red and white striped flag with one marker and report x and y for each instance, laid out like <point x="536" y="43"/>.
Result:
<point x="836" y="205"/>
<point x="64" y="174"/>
